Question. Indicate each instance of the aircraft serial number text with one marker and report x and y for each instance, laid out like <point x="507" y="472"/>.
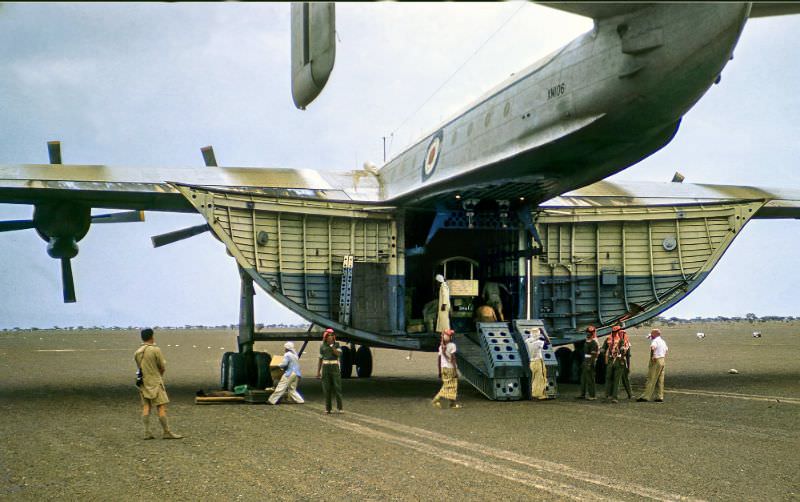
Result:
<point x="556" y="90"/>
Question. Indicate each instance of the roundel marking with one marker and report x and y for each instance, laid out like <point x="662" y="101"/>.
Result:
<point x="432" y="155"/>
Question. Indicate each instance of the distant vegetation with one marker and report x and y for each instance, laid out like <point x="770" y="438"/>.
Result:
<point x="656" y="321"/>
<point x="261" y="326"/>
<point x="749" y="318"/>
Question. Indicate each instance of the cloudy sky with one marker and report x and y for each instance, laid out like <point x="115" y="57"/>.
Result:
<point x="147" y="85"/>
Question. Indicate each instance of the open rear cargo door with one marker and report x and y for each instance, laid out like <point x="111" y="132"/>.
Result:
<point x="294" y="249"/>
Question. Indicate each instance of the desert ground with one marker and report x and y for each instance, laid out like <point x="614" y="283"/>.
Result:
<point x="71" y="428"/>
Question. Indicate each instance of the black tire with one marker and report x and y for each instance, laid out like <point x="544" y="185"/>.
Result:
<point x="564" y="358"/>
<point x="346" y="362"/>
<point x="223" y="370"/>
<point x="263" y="376"/>
<point x="363" y="362"/>
<point x="236" y="371"/>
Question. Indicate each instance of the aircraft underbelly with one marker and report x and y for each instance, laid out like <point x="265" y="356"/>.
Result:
<point x="583" y="156"/>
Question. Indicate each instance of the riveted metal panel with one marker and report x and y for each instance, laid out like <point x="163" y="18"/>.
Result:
<point x="608" y="265"/>
<point x="296" y="248"/>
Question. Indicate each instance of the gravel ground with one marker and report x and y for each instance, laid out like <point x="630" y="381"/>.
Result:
<point x="70" y="428"/>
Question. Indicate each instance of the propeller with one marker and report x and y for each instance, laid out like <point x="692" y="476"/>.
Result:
<point x="67" y="282"/>
<point x="119" y="217"/>
<point x="54" y="151"/>
<point x="11" y="225"/>
<point x="179" y="235"/>
<point x="208" y="156"/>
<point x="62" y="223"/>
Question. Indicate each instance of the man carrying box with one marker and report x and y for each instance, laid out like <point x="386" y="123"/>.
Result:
<point x="290" y="378"/>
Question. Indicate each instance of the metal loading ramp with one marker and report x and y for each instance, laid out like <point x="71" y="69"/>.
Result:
<point x="490" y="361"/>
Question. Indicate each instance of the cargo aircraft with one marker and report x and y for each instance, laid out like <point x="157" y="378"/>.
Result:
<point x="514" y="182"/>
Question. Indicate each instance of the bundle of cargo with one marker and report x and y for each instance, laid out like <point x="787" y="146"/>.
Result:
<point x="217" y="397"/>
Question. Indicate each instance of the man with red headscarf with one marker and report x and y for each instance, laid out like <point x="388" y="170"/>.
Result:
<point x="610" y="353"/>
<point x="328" y="370"/>
<point x="655" y="374"/>
<point x="448" y="370"/>
<point x="590" y="351"/>
<point x="625" y="359"/>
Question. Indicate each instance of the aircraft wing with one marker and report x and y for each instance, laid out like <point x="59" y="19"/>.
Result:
<point x="63" y="196"/>
<point x="602" y="10"/>
<point x="596" y="10"/>
<point x="768" y="9"/>
<point x="100" y="186"/>
<point x="780" y="203"/>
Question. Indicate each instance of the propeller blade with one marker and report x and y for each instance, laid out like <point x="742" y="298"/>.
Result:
<point x="208" y="156"/>
<point x="54" y="151"/>
<point x="11" y="225"/>
<point x="121" y="217"/>
<point x="66" y="281"/>
<point x="177" y="235"/>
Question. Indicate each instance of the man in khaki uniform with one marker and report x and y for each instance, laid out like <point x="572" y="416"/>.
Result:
<point x="491" y="295"/>
<point x="609" y="351"/>
<point x="590" y="351"/>
<point x="626" y="361"/>
<point x="152" y="365"/>
<point x="328" y="370"/>
<point x="654" y="388"/>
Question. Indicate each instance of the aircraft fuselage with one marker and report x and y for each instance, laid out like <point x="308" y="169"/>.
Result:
<point x="603" y="102"/>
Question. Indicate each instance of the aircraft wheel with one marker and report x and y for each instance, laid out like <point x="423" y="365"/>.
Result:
<point x="236" y="370"/>
<point x="223" y="370"/>
<point x="346" y="362"/>
<point x="363" y="362"/>
<point x="564" y="358"/>
<point x="263" y="376"/>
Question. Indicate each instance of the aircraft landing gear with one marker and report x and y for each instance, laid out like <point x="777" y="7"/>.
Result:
<point x="245" y="367"/>
<point x="234" y="372"/>
<point x="346" y="362"/>
<point x="363" y="361"/>
<point x="361" y="358"/>
<point x="568" y="365"/>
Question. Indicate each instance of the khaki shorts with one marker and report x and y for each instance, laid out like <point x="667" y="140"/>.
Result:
<point x="159" y="399"/>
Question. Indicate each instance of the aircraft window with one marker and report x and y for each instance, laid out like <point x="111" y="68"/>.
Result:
<point x="453" y="139"/>
<point x="488" y="119"/>
<point x="507" y="109"/>
<point x="469" y="130"/>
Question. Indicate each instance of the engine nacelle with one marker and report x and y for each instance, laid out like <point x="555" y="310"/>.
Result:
<point x="313" y="50"/>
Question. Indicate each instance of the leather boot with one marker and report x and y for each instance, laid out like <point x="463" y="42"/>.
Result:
<point x="168" y="434"/>
<point x="146" y="422"/>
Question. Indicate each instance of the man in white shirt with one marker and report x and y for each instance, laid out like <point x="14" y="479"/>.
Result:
<point x="655" y="374"/>
<point x="535" y="344"/>
<point x="290" y="378"/>
<point x="448" y="369"/>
